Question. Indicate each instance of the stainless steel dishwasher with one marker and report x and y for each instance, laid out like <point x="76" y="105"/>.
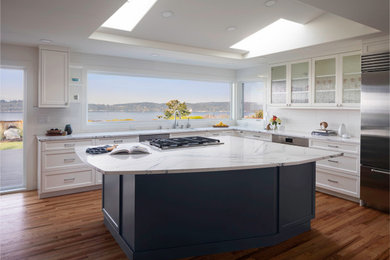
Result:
<point x="284" y="139"/>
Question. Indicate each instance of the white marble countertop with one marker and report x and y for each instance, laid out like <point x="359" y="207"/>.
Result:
<point x="235" y="153"/>
<point x="167" y="131"/>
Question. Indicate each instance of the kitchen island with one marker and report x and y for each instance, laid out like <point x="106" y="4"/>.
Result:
<point x="184" y="202"/>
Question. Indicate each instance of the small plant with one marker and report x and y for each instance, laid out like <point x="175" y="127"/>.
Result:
<point x="275" y="121"/>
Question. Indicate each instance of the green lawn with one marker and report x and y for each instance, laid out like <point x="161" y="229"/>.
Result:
<point x="11" y="145"/>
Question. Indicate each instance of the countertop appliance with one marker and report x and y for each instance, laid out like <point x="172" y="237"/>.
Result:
<point x="182" y="142"/>
<point x="283" y="139"/>
<point x="375" y="136"/>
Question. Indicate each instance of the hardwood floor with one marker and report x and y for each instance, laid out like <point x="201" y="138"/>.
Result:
<point x="71" y="227"/>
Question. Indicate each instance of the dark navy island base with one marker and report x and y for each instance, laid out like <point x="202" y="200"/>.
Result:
<point x="169" y="216"/>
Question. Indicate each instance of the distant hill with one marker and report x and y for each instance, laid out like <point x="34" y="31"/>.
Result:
<point x="158" y="107"/>
<point x="11" y="106"/>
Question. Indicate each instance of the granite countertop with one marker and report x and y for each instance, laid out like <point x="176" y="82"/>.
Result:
<point x="235" y="153"/>
<point x="353" y="140"/>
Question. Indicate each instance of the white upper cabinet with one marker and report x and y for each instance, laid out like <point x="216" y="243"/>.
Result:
<point x="278" y="89"/>
<point x="324" y="81"/>
<point x="351" y="79"/>
<point x="53" y="76"/>
<point x="332" y="81"/>
<point x="300" y="83"/>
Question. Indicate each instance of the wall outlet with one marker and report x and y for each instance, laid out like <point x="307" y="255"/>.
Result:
<point x="76" y="97"/>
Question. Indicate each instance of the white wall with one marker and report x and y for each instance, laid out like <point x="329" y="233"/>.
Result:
<point x="38" y="120"/>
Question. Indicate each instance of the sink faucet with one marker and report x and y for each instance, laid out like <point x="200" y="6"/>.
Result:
<point x="175" y="124"/>
<point x="188" y="125"/>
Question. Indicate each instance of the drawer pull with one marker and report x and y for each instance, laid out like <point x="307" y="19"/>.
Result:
<point x="258" y="136"/>
<point x="68" y="145"/>
<point x="69" y="160"/>
<point x="333" y="181"/>
<point x="333" y="146"/>
<point x="118" y="141"/>
<point x="333" y="161"/>
<point x="69" y="179"/>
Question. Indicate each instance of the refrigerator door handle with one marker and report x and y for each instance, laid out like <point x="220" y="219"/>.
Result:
<point x="378" y="171"/>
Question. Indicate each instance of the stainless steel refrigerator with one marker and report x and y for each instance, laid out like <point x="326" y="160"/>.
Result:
<point x="375" y="135"/>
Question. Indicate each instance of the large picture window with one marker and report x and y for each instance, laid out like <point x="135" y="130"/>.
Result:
<point x="253" y="100"/>
<point x="113" y="98"/>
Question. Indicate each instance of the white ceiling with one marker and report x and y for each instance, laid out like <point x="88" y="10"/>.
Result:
<point x="196" y="34"/>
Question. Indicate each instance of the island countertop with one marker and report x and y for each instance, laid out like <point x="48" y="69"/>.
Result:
<point x="234" y="154"/>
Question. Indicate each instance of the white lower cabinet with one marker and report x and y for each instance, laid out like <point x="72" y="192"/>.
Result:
<point x="60" y="170"/>
<point x="339" y="176"/>
<point x="98" y="178"/>
<point x="255" y="135"/>
<point x="63" y="181"/>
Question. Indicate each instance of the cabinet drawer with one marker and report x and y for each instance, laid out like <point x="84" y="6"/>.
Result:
<point x="259" y="136"/>
<point x="218" y="133"/>
<point x="335" y="146"/>
<point x="104" y="141"/>
<point x="186" y="134"/>
<point x="52" y="161"/>
<point x="338" y="183"/>
<point x="345" y="163"/>
<point x="61" y="145"/>
<point x="69" y="180"/>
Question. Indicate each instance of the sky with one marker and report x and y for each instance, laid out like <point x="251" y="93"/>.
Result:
<point x="11" y="84"/>
<point x="118" y="89"/>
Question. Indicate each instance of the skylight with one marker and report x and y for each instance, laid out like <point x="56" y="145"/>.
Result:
<point x="129" y="15"/>
<point x="270" y="37"/>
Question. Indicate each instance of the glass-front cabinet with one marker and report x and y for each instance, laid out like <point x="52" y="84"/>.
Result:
<point x="300" y="83"/>
<point x="278" y="84"/>
<point x="332" y="81"/>
<point x="325" y="81"/>
<point x="351" y="79"/>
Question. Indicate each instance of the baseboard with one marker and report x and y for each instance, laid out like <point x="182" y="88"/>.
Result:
<point x="70" y="191"/>
<point x="336" y="194"/>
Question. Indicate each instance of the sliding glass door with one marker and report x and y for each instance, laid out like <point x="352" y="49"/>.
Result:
<point x="11" y="129"/>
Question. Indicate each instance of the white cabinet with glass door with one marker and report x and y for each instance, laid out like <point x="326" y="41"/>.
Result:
<point x="324" y="85"/>
<point x="349" y="92"/>
<point x="278" y="85"/>
<point x="299" y="91"/>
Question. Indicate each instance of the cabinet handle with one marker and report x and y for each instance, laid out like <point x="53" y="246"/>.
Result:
<point x="333" y="146"/>
<point x="69" y="179"/>
<point x="69" y="160"/>
<point x="68" y="145"/>
<point x="118" y="141"/>
<point x="333" y="181"/>
<point x="378" y="171"/>
<point x="258" y="136"/>
<point x="333" y="161"/>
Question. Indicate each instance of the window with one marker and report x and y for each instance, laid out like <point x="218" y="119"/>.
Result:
<point x="253" y="100"/>
<point x="113" y="98"/>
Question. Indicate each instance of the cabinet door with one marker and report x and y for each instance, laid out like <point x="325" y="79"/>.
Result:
<point x="53" y="80"/>
<point x="351" y="77"/>
<point x="278" y="86"/>
<point x="325" y="81"/>
<point x="300" y="83"/>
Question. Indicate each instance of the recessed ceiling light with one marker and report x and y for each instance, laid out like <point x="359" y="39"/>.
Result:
<point x="45" y="41"/>
<point x="129" y="15"/>
<point x="231" y="28"/>
<point x="270" y="3"/>
<point x="167" y="14"/>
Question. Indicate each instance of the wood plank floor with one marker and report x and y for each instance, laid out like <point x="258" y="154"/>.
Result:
<point x="71" y="227"/>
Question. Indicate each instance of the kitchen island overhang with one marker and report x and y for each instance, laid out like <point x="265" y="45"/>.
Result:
<point x="162" y="213"/>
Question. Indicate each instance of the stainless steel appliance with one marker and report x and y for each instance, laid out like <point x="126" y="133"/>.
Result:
<point x="375" y="136"/>
<point x="283" y="139"/>
<point x="182" y="142"/>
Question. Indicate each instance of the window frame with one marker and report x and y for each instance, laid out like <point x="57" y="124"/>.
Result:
<point x="240" y="111"/>
<point x="160" y="124"/>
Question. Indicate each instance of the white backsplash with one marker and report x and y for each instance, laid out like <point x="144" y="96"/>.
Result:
<point x="304" y="120"/>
